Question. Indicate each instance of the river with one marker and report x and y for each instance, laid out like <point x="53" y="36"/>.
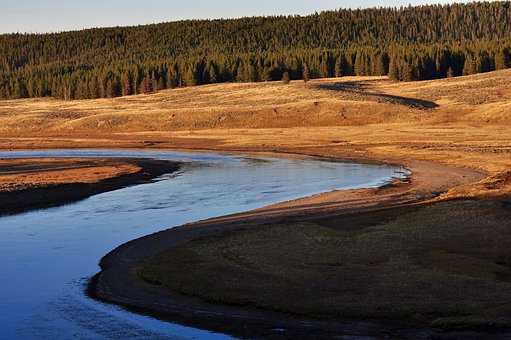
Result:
<point x="48" y="255"/>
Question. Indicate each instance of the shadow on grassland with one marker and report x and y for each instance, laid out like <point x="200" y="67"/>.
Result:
<point x="354" y="90"/>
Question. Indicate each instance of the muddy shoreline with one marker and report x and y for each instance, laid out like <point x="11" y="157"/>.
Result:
<point x="119" y="283"/>
<point x="52" y="195"/>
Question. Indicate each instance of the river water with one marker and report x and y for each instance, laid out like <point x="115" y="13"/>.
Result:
<point x="48" y="255"/>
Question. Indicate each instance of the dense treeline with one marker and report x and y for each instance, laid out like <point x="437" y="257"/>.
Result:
<point x="410" y="43"/>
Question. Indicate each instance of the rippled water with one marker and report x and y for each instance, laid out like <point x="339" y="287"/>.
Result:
<point x="48" y="255"/>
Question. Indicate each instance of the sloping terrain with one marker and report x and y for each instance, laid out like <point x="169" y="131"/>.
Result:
<point x="326" y="102"/>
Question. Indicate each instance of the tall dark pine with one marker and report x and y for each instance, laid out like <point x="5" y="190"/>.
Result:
<point x="394" y="69"/>
<point x="126" y="85"/>
<point x="285" y="78"/>
<point x="146" y="86"/>
<point x="306" y="73"/>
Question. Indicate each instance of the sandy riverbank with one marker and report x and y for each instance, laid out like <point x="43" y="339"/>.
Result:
<point x="27" y="184"/>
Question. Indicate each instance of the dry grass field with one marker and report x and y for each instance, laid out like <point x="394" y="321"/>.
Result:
<point x="348" y="101"/>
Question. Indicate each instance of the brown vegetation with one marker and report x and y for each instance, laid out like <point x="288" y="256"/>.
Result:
<point x="438" y="265"/>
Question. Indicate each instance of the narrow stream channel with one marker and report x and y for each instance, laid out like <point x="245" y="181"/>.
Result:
<point x="48" y="255"/>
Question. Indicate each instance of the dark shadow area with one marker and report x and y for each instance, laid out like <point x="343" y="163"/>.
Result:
<point x="355" y="90"/>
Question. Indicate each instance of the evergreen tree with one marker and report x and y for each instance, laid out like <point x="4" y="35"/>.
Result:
<point x="360" y="64"/>
<point x="394" y="69"/>
<point x="146" y="86"/>
<point x="126" y="85"/>
<point x="469" y="66"/>
<point x="501" y="61"/>
<point x="406" y="71"/>
<point x="285" y="78"/>
<point x="306" y="73"/>
<point x="190" y="77"/>
<point x="381" y="65"/>
<point x="341" y="66"/>
<point x="450" y="72"/>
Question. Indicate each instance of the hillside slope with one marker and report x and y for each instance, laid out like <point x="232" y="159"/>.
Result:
<point x="483" y="98"/>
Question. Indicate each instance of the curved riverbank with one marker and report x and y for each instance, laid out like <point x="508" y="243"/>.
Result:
<point x="120" y="281"/>
<point x="29" y="184"/>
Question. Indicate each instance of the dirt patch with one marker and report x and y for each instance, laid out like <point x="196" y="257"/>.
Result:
<point x="27" y="184"/>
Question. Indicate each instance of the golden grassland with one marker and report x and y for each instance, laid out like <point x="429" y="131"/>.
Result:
<point x="345" y="101"/>
<point x="460" y="121"/>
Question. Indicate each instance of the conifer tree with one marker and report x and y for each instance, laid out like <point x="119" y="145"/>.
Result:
<point x="450" y="72"/>
<point x="469" y="66"/>
<point x="285" y="78"/>
<point x="500" y="60"/>
<point x="394" y="69"/>
<point x="340" y="66"/>
<point x="126" y="85"/>
<point x="146" y="86"/>
<point x="406" y="71"/>
<point x="306" y="73"/>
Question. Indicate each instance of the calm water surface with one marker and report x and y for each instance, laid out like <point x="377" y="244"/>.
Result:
<point x="48" y="255"/>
